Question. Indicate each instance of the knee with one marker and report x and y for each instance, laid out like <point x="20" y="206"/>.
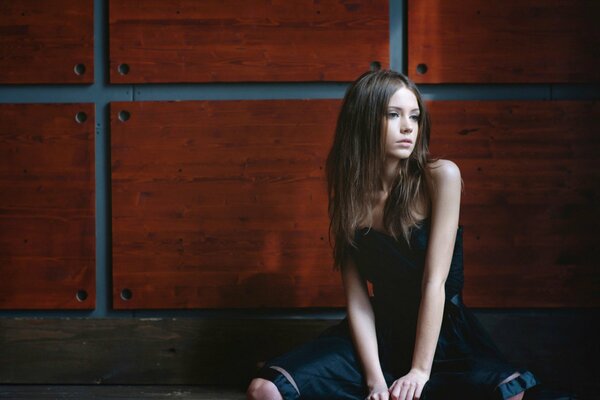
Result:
<point x="262" y="389"/>
<point x="518" y="396"/>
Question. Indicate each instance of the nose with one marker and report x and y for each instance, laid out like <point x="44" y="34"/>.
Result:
<point x="405" y="126"/>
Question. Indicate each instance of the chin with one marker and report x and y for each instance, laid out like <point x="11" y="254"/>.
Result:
<point x="401" y="156"/>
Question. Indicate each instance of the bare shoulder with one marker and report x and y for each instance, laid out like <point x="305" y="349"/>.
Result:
<point x="444" y="172"/>
<point x="446" y="190"/>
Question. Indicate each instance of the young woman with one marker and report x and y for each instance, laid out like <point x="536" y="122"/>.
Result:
<point x="394" y="220"/>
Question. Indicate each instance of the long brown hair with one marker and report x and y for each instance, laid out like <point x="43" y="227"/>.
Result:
<point x="356" y="159"/>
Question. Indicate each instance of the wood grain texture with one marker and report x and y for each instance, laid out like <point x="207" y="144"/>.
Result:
<point x="222" y="204"/>
<point x="237" y="41"/>
<point x="531" y="172"/>
<point x="146" y="351"/>
<point x="479" y="41"/>
<point x="121" y="392"/>
<point x="41" y="41"/>
<point x="47" y="238"/>
<point x="558" y="346"/>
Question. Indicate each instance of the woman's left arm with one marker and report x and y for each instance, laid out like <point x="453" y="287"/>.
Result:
<point x="445" y="207"/>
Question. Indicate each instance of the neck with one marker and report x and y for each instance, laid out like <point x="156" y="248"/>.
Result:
<point x="388" y="174"/>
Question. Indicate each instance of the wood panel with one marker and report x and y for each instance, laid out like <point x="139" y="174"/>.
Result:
<point x="237" y="41"/>
<point x="222" y="204"/>
<point x="531" y="171"/>
<point x="479" y="41"/>
<point x="559" y="347"/>
<point x="179" y="392"/>
<point x="44" y="41"/>
<point x="147" y="351"/>
<point x="47" y="238"/>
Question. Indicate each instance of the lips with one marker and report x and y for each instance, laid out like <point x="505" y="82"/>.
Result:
<point x="404" y="141"/>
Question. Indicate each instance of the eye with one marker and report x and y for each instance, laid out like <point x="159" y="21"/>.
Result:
<point x="415" y="117"/>
<point x="393" y="114"/>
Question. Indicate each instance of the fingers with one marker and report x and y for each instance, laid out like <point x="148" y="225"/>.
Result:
<point x="405" y="388"/>
<point x="419" y="391"/>
<point x="405" y="391"/>
<point x="378" y="396"/>
<point x="395" y="390"/>
<point x="379" y="393"/>
<point x="410" y="394"/>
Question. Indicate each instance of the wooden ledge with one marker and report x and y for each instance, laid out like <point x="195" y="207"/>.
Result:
<point x="559" y="346"/>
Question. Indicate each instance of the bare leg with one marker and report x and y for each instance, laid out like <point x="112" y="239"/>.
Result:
<point x="518" y="396"/>
<point x="262" y="389"/>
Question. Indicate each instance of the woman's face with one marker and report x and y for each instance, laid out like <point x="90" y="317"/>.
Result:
<point x="402" y="124"/>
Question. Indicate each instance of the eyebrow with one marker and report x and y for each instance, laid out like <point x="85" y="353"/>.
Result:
<point x="400" y="108"/>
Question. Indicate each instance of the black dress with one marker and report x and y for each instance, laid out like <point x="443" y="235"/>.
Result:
<point x="466" y="365"/>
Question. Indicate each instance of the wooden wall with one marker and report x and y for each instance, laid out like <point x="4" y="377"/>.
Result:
<point x="47" y="238"/>
<point x="46" y="41"/>
<point x="237" y="40"/>
<point x="230" y="211"/>
<point x="530" y="203"/>
<point x="477" y="41"/>
<point x="220" y="204"/>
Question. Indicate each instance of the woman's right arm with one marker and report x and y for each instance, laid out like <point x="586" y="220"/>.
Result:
<point x="362" y="326"/>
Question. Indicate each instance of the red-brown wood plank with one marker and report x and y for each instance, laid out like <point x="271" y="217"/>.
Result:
<point x="47" y="41"/>
<point x="222" y="204"/>
<point x="530" y="204"/>
<point x="524" y="41"/>
<point x="47" y="237"/>
<point x="237" y="41"/>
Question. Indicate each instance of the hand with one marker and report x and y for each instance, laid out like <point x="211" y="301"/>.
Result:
<point x="410" y="386"/>
<point x="379" y="392"/>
